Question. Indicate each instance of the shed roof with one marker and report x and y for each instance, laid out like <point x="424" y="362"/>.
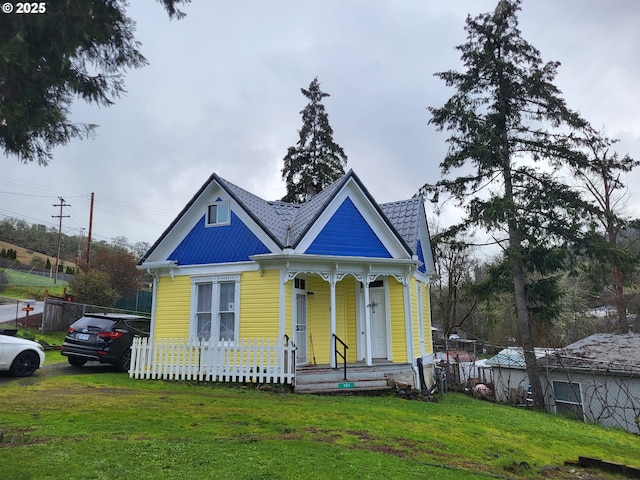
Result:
<point x="512" y="357"/>
<point x="601" y="352"/>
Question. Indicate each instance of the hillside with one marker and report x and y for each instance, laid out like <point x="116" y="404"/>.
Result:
<point x="29" y="257"/>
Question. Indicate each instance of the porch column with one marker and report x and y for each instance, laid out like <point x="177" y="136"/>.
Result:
<point x="367" y="324"/>
<point x="332" y="316"/>
<point x="406" y="288"/>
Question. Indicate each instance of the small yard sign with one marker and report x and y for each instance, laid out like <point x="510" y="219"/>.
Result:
<point x="346" y="385"/>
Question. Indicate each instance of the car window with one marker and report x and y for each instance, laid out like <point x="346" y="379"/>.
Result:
<point x="139" y="326"/>
<point x="93" y="323"/>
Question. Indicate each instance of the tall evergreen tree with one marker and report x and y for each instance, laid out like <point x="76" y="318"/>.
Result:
<point x="510" y="142"/>
<point x="68" y="51"/>
<point x="316" y="160"/>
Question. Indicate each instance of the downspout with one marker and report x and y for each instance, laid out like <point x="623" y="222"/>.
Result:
<point x="408" y="319"/>
<point x="420" y="319"/>
<point x="154" y="300"/>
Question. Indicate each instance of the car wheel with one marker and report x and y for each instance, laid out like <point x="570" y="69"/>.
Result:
<point x="25" y="364"/>
<point x="125" y="361"/>
<point x="76" y="362"/>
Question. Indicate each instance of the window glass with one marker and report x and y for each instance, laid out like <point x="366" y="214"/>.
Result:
<point x="94" y="323"/>
<point x="215" y="310"/>
<point x="223" y="213"/>
<point x="218" y="213"/>
<point x="212" y="215"/>
<point x="226" y="309"/>
<point x="567" y="392"/>
<point x="227" y="296"/>
<point x="203" y="310"/>
<point x="227" y="326"/>
<point x="139" y="326"/>
<point x="568" y="399"/>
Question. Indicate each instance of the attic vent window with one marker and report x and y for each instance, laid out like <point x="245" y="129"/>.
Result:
<point x="218" y="214"/>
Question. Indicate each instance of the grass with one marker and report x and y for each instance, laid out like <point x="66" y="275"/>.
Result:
<point x="24" y="285"/>
<point x="103" y="425"/>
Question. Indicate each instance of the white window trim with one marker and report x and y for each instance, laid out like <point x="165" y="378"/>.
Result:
<point x="215" y="306"/>
<point x="216" y="223"/>
<point x="567" y="402"/>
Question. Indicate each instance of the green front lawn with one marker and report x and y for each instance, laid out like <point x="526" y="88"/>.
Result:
<point x="108" y="426"/>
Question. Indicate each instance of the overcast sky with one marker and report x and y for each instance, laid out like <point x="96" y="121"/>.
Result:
<point x="222" y="94"/>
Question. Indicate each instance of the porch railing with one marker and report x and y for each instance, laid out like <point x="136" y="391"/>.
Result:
<point x="342" y="354"/>
<point x="247" y="360"/>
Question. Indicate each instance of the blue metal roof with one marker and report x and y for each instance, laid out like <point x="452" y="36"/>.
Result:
<point x="348" y="234"/>
<point x="423" y="267"/>
<point x="234" y="242"/>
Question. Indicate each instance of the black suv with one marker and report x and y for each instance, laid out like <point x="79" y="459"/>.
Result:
<point x="105" y="337"/>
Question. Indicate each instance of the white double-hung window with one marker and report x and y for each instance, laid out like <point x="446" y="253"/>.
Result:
<point x="215" y="307"/>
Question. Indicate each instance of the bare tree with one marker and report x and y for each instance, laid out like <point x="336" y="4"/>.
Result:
<point x="604" y="183"/>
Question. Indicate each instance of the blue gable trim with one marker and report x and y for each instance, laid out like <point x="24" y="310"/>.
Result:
<point x="229" y="243"/>
<point x="422" y="268"/>
<point x="348" y="234"/>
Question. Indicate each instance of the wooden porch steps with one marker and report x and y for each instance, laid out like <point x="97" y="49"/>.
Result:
<point x="360" y="378"/>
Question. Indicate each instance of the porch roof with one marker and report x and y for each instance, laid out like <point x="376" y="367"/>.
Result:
<point x="323" y="264"/>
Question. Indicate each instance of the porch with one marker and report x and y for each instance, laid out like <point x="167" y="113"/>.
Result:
<point x="357" y="377"/>
<point x="259" y="361"/>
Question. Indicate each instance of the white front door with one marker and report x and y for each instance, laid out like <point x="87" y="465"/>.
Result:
<point x="378" y="311"/>
<point x="301" y="327"/>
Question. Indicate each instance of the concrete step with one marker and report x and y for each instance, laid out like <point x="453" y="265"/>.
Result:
<point x="342" y="386"/>
<point x="359" y="378"/>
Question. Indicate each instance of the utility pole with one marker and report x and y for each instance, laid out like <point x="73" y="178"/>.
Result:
<point x="80" y="243"/>
<point x="62" y="204"/>
<point x="90" y="230"/>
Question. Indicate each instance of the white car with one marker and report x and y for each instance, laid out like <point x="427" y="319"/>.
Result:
<point x="20" y="356"/>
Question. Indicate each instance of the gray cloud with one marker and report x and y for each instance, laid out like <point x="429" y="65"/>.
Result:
<point x="222" y="93"/>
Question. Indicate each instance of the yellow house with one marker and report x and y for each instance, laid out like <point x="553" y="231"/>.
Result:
<point x="337" y="274"/>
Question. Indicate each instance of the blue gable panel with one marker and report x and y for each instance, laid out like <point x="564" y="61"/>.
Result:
<point x="422" y="268"/>
<point x="348" y="234"/>
<point x="228" y="243"/>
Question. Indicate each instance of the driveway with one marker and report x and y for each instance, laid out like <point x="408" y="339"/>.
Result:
<point x="59" y="368"/>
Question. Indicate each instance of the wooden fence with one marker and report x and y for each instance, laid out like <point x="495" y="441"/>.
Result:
<point x="248" y="360"/>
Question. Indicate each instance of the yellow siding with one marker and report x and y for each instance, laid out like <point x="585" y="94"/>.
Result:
<point x="259" y="304"/>
<point x="346" y="319"/>
<point x="426" y="315"/>
<point x="318" y="320"/>
<point x="398" y="331"/>
<point x="415" y="318"/>
<point x="346" y="316"/>
<point x="319" y="317"/>
<point x="173" y="307"/>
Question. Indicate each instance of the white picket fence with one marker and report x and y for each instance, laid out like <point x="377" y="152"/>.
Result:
<point x="247" y="360"/>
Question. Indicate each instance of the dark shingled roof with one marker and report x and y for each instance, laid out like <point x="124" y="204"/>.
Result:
<point x="287" y="223"/>
<point x="604" y="352"/>
<point x="404" y="216"/>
